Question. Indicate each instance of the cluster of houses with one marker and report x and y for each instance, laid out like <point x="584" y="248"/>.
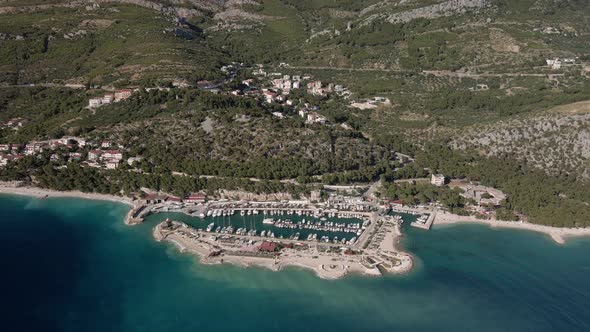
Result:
<point x="556" y="63"/>
<point x="109" y="158"/>
<point x="311" y="116"/>
<point x="104" y="155"/>
<point x="15" y="123"/>
<point x="110" y="98"/>
<point x="281" y="86"/>
<point x="276" y="88"/>
<point x="7" y="155"/>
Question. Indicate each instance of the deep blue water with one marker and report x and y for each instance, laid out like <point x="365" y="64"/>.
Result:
<point x="72" y="265"/>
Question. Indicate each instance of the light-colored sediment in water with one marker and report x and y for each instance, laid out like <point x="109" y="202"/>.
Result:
<point x="558" y="234"/>
<point x="46" y="193"/>
<point x="10" y="189"/>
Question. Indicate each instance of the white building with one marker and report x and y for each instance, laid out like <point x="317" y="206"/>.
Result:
<point x="437" y="180"/>
<point x="108" y="98"/>
<point x="313" y="117"/>
<point x="94" y="102"/>
<point x="94" y="154"/>
<point x="132" y="160"/>
<point x="112" y="155"/>
<point x="111" y="164"/>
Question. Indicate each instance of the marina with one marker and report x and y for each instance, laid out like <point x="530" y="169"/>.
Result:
<point x="299" y="221"/>
<point x="363" y="242"/>
<point x="282" y="226"/>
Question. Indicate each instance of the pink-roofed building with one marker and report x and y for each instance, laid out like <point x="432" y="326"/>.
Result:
<point x="123" y="94"/>
<point x="75" y="156"/>
<point x="154" y="199"/>
<point x="113" y="155"/>
<point x="173" y="199"/>
<point x="269" y="96"/>
<point x="268" y="246"/>
<point x="5" y="159"/>
<point x="196" y="198"/>
<point x="16" y="122"/>
<point x="33" y="148"/>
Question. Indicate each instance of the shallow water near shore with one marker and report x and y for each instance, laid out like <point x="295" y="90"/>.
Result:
<point x="72" y="265"/>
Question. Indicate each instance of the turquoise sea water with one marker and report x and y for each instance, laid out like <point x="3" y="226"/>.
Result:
<point x="72" y="265"/>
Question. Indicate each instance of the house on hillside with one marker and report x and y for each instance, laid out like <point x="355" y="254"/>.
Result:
<point x="94" y="155"/>
<point x="123" y="94"/>
<point x="108" y="98"/>
<point x="94" y="102"/>
<point x="437" y="180"/>
<point x="113" y="154"/>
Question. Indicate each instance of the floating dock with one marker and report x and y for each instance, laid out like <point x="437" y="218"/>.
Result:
<point x="427" y="224"/>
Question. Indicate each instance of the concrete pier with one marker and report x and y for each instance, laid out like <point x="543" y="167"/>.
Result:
<point x="427" y="225"/>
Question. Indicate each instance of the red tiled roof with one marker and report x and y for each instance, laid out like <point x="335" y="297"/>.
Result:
<point x="197" y="196"/>
<point x="268" y="246"/>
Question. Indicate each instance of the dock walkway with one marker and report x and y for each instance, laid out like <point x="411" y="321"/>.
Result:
<point x="427" y="225"/>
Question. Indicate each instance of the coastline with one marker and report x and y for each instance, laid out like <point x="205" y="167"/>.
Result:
<point x="41" y="193"/>
<point x="557" y="234"/>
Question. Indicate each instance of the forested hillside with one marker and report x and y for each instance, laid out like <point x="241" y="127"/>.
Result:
<point x="465" y="88"/>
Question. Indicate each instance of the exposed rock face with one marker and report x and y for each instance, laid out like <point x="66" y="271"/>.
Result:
<point x="179" y="8"/>
<point x="447" y="8"/>
<point x="183" y="12"/>
<point x="233" y="14"/>
<point x="557" y="143"/>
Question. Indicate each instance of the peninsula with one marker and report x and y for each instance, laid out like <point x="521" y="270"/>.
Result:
<point x="367" y="244"/>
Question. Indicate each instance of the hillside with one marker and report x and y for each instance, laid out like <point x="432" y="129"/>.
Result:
<point x="472" y="88"/>
<point x="557" y="140"/>
<point x="98" y="44"/>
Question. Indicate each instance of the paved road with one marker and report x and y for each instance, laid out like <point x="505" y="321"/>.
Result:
<point x="425" y="72"/>
<point x="45" y="85"/>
